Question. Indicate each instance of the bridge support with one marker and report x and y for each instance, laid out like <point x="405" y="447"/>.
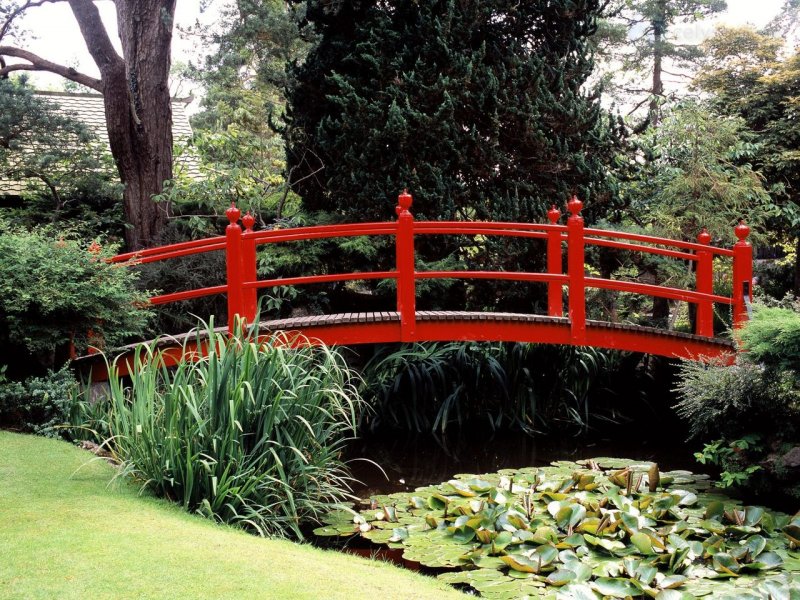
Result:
<point x="555" y="266"/>
<point x="406" y="284"/>
<point x="576" y="272"/>
<point x="704" y="283"/>
<point x="742" y="275"/>
<point x="233" y="266"/>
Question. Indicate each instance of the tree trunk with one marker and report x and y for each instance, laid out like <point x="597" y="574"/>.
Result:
<point x="139" y="114"/>
<point x="796" y="287"/>
<point x="657" y="91"/>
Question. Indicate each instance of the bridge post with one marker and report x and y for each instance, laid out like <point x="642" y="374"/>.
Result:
<point x="233" y="265"/>
<point x="576" y="271"/>
<point x="404" y="252"/>
<point x="704" y="283"/>
<point x="555" y="302"/>
<point x="250" y="272"/>
<point x="742" y="275"/>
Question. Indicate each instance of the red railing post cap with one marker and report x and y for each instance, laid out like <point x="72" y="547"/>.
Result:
<point x="553" y="214"/>
<point x="248" y="221"/>
<point x="233" y="214"/>
<point x="741" y="230"/>
<point x="704" y="237"/>
<point x="575" y="206"/>
<point x="404" y="201"/>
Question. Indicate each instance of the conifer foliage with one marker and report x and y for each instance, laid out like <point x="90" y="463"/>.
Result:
<point x="478" y="107"/>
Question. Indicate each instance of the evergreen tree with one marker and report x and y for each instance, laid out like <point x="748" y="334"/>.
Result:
<point x="477" y="107"/>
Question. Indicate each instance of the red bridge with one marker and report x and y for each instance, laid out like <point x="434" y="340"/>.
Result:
<point x="406" y="324"/>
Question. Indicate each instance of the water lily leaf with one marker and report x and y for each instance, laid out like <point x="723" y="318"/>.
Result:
<point x="461" y="489"/>
<point x="560" y="577"/>
<point x="646" y="574"/>
<point x="579" y="591"/>
<point x="755" y="545"/>
<point x="570" y="515"/>
<point x="399" y="534"/>
<point x="753" y="515"/>
<point x="546" y="554"/>
<point x="672" y="581"/>
<point x="713" y="526"/>
<point x="765" y="561"/>
<point x="488" y="562"/>
<point x="642" y="542"/>
<point x="714" y="510"/>
<point x="503" y="539"/>
<point x="521" y="563"/>
<point x="685" y="498"/>
<point x="610" y="545"/>
<point x="616" y="587"/>
<point x="437" y="501"/>
<point x="725" y="563"/>
<point x="673" y="595"/>
<point x="545" y="535"/>
<point x="464" y="535"/>
<point x="480" y="485"/>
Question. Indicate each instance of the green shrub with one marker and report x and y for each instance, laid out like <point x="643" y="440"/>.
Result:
<point x="40" y="405"/>
<point x="53" y="290"/>
<point x="250" y="434"/>
<point x="772" y="338"/>
<point x="730" y="401"/>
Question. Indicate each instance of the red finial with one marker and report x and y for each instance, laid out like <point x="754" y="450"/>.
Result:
<point x="575" y="206"/>
<point x="248" y="221"/>
<point x="741" y="231"/>
<point x="403" y="202"/>
<point x="233" y="214"/>
<point x="704" y="237"/>
<point x="95" y="248"/>
<point x="554" y="214"/>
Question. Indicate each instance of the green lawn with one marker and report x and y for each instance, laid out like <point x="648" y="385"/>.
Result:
<point x="66" y="533"/>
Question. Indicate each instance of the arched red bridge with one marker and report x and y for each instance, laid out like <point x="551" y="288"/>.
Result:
<point x="406" y="324"/>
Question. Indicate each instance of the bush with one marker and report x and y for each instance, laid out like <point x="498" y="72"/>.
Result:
<point x="54" y="290"/>
<point x="729" y="401"/>
<point x="772" y="338"/>
<point x="250" y="434"/>
<point x="39" y="405"/>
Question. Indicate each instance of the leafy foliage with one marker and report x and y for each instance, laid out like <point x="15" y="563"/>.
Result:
<point x="67" y="174"/>
<point x="250" y="433"/>
<point x="435" y="386"/>
<point x="598" y="528"/>
<point x="772" y="338"/>
<point x="53" y="290"/>
<point x="750" y="77"/>
<point x="39" y="405"/>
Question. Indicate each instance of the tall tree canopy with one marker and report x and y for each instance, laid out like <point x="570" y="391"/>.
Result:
<point x="751" y="77"/>
<point x="135" y="90"/>
<point x="477" y="107"/>
<point x="638" y="44"/>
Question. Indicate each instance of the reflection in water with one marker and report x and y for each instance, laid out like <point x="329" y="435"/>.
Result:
<point x="411" y="462"/>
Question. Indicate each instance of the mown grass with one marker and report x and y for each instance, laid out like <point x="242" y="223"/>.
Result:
<point x="65" y="532"/>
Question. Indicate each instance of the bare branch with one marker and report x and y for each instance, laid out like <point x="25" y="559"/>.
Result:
<point x="95" y="35"/>
<point x="37" y="63"/>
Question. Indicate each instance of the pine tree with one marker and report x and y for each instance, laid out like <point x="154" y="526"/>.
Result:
<point x="477" y="107"/>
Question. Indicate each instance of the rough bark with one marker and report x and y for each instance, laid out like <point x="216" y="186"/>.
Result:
<point x="135" y="88"/>
<point x="657" y="91"/>
<point x="797" y="268"/>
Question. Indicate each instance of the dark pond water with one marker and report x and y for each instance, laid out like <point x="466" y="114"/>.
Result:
<point x="414" y="461"/>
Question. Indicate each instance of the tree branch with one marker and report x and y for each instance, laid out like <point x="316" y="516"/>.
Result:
<point x="95" y="35"/>
<point x="21" y="9"/>
<point x="37" y="63"/>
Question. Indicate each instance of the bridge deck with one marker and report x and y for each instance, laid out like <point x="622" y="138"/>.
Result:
<point x="432" y="326"/>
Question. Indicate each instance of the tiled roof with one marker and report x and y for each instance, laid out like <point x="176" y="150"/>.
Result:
<point x="90" y="110"/>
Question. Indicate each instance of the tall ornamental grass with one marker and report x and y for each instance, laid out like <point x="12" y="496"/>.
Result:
<point x="250" y="433"/>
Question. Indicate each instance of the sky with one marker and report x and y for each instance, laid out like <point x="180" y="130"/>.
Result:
<point x="58" y="39"/>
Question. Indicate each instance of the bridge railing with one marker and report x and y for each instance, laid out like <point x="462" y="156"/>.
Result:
<point x="242" y="284"/>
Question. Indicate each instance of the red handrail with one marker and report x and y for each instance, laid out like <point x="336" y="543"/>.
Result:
<point x="242" y="282"/>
